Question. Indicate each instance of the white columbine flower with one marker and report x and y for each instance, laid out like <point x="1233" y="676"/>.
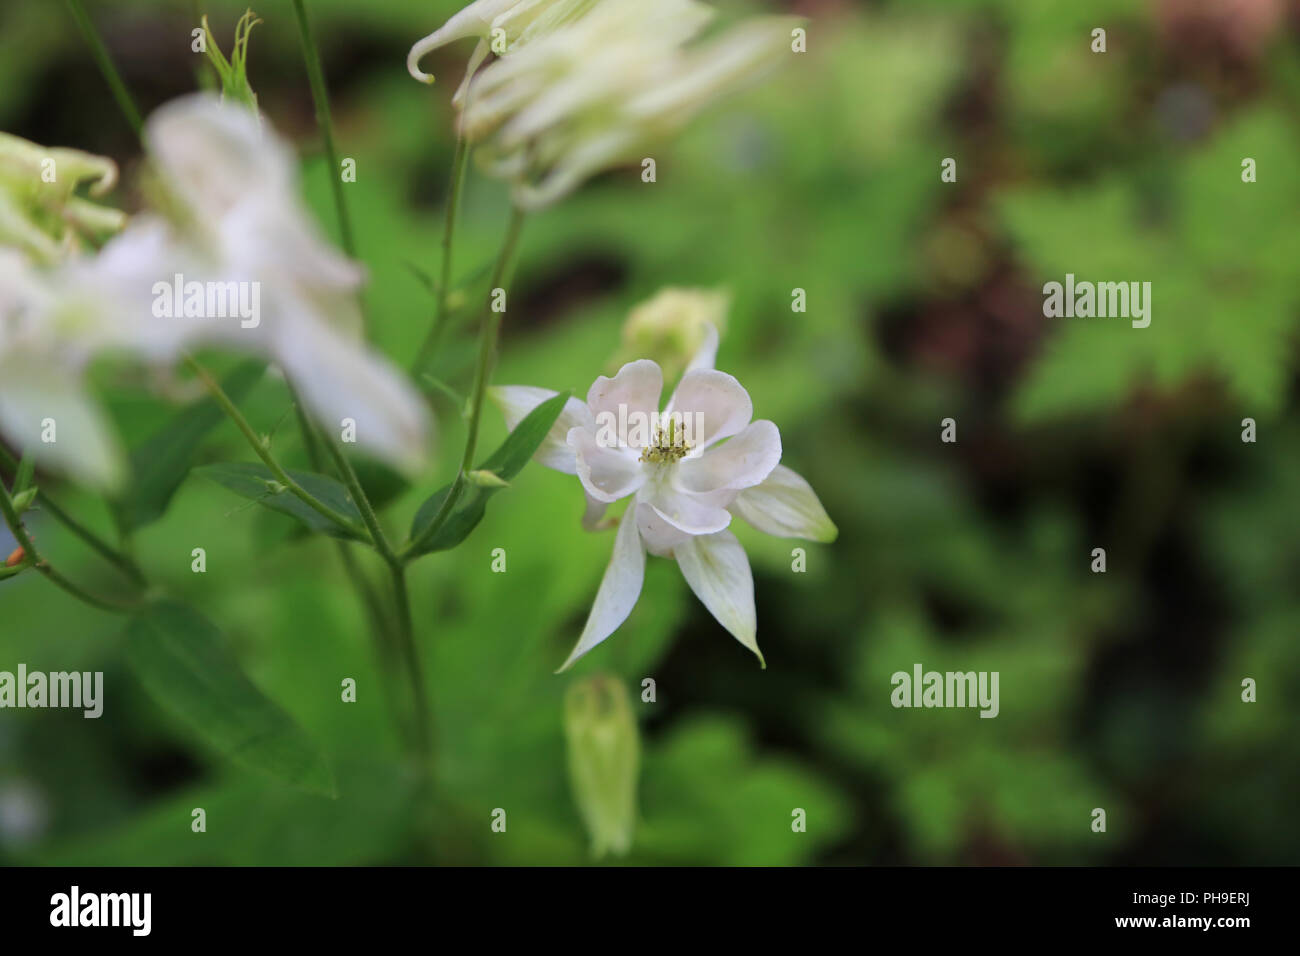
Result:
<point x="501" y="26"/>
<point x="687" y="471"/>
<point x="229" y="258"/>
<point x="227" y="190"/>
<point x="605" y="87"/>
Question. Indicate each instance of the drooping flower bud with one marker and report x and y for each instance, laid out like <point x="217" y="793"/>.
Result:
<point x="604" y="760"/>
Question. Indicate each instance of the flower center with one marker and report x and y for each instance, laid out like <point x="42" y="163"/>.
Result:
<point x="668" y="447"/>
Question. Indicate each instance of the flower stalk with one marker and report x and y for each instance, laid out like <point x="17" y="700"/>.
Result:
<point x="434" y="335"/>
<point x="320" y="96"/>
<point x="489" y="332"/>
<point x="106" y="66"/>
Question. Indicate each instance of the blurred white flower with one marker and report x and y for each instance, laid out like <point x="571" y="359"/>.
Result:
<point x="702" y="462"/>
<point x="39" y="211"/>
<point x="501" y="26"/>
<point x="49" y="331"/>
<point x="227" y="221"/>
<point x="228" y="192"/>
<point x="606" y="86"/>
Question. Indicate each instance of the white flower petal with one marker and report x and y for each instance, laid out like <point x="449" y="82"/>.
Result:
<point x="214" y="157"/>
<point x="658" y="536"/>
<point x="516" y="401"/>
<point x="716" y="568"/>
<point x="707" y="354"/>
<point x="619" y="589"/>
<point x="740" y="462"/>
<point x="338" y="378"/>
<point x="720" y="400"/>
<point x="594" y="515"/>
<point x="636" y="387"/>
<point x="786" y="506"/>
<point x="475" y="61"/>
<point x="84" y="446"/>
<point x="690" y="513"/>
<point x="474" y="20"/>
<point x="607" y="473"/>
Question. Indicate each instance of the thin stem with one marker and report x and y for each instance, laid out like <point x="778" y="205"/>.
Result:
<point x="362" y="502"/>
<point x="434" y="334"/>
<point x="411" y="656"/>
<point x="268" y="459"/>
<point x="488" y="334"/>
<point x="106" y="66"/>
<point x="491" y="331"/>
<point x="118" y="559"/>
<point x="312" y="443"/>
<point x="352" y="570"/>
<point x="401" y="599"/>
<point x="33" y="558"/>
<point x="320" y="96"/>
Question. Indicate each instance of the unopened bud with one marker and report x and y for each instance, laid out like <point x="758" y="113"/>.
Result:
<point x="604" y="760"/>
<point x="23" y="500"/>
<point x="487" y="479"/>
<point x="673" y="326"/>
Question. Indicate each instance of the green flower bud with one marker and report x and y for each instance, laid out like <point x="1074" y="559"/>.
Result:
<point x="672" y="327"/>
<point x="604" y="760"/>
<point x="486" y="479"/>
<point x="23" y="500"/>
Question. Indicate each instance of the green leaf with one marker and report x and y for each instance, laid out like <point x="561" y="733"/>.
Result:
<point x="256" y="483"/>
<point x="1219" y="256"/>
<point x="185" y="664"/>
<point x="160" y="464"/>
<point x="506" y="462"/>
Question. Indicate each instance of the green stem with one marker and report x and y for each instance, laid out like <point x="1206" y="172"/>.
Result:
<point x="414" y="671"/>
<point x="434" y="334"/>
<point x="320" y="96"/>
<point x="105" y="62"/>
<point x="401" y="599"/>
<point x="359" y="498"/>
<point x="33" y="558"/>
<point x="488" y="334"/>
<point x="312" y="443"/>
<point x="379" y="624"/>
<point x="268" y="459"/>
<point x="118" y="559"/>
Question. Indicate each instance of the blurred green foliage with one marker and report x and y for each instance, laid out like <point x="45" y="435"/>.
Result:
<point x="1119" y="691"/>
